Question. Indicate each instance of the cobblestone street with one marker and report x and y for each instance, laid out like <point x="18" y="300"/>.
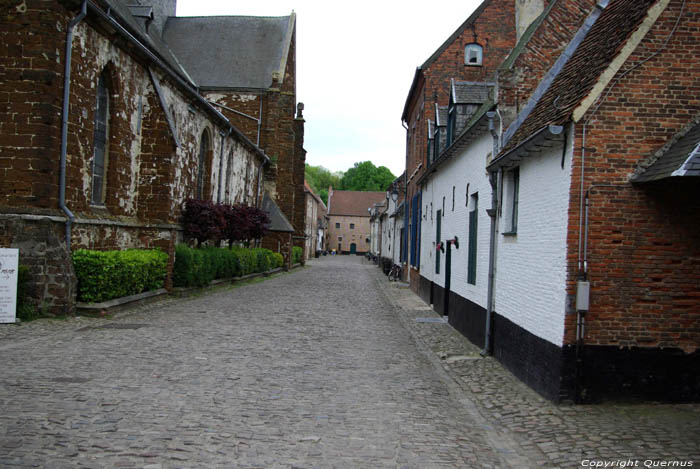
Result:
<point x="325" y="366"/>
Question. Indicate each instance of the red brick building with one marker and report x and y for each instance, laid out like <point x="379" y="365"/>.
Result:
<point x="472" y="53"/>
<point x="104" y="133"/>
<point x="246" y="67"/>
<point x="619" y="109"/>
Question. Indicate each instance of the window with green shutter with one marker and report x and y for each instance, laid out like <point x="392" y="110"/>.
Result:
<point x="437" y="241"/>
<point x="473" y="229"/>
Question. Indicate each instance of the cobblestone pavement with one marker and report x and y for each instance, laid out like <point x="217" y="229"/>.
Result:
<point x="305" y="369"/>
<point x="548" y="435"/>
<point x="322" y="367"/>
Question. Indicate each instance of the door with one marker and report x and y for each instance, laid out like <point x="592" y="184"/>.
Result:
<point x="353" y="248"/>
<point x="448" y="275"/>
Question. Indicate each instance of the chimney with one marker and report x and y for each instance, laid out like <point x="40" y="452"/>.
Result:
<point x="162" y="9"/>
<point x="526" y="11"/>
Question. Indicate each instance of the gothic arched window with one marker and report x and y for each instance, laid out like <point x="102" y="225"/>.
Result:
<point x="202" y="166"/>
<point x="100" y="141"/>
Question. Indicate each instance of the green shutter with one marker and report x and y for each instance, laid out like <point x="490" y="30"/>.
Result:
<point x="471" y="261"/>
<point x="437" y="240"/>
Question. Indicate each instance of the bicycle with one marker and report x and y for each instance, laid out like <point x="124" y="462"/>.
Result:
<point x="395" y="273"/>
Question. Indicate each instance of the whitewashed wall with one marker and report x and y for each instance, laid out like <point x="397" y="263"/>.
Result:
<point x="531" y="266"/>
<point x="465" y="172"/>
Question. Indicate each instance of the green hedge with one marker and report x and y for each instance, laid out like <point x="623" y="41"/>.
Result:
<point x="198" y="267"/>
<point x="105" y="275"/>
<point x="297" y="253"/>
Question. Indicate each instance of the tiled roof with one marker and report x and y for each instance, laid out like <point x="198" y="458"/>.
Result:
<point x="441" y="115"/>
<point x="681" y="157"/>
<point x="582" y="70"/>
<point x="137" y="27"/>
<point x="353" y="203"/>
<point x="230" y="51"/>
<point x="278" y="222"/>
<point x="468" y="92"/>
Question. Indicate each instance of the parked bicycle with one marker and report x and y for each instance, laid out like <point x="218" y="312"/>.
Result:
<point x="395" y="273"/>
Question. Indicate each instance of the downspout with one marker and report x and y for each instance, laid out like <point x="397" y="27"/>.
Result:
<point x="223" y="134"/>
<point x="495" y="181"/>
<point x="64" y="123"/>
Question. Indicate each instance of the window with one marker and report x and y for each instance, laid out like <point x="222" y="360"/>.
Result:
<point x="513" y="189"/>
<point x="473" y="228"/>
<point x="340" y="238"/>
<point x="352" y="226"/>
<point x="473" y="54"/>
<point x="100" y="141"/>
<point x="453" y="198"/>
<point x="202" y="166"/>
<point x="337" y="225"/>
<point x="437" y="241"/>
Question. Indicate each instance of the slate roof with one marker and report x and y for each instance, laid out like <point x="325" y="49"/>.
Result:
<point x="441" y="116"/>
<point x="136" y="26"/>
<point x="681" y="157"/>
<point x="278" y="222"/>
<point x="582" y="70"/>
<point x="469" y="92"/>
<point x="231" y="51"/>
<point x="354" y="203"/>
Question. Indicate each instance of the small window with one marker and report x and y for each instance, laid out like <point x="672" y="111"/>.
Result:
<point x="352" y="226"/>
<point x="337" y="225"/>
<point x="473" y="54"/>
<point x="512" y="198"/>
<point x="453" y="198"/>
<point x="340" y="238"/>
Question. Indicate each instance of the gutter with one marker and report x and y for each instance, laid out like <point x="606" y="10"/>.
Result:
<point x="64" y="123"/>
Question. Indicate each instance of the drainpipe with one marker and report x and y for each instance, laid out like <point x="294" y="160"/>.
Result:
<point x="64" y="123"/>
<point x="495" y="179"/>
<point x="223" y="134"/>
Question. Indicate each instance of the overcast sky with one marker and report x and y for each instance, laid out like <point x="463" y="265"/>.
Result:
<point x="355" y="64"/>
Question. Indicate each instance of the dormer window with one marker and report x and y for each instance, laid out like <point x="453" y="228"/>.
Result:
<point x="473" y="54"/>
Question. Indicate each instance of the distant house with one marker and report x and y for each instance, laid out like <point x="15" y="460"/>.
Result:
<point x="348" y="220"/>
<point x="315" y="222"/>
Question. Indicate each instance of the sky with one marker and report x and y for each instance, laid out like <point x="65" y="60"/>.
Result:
<point x="355" y="65"/>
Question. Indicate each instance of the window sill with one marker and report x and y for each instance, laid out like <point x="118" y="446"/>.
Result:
<point x="510" y="233"/>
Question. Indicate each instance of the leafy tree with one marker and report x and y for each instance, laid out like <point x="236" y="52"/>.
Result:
<point x="365" y="176"/>
<point x="319" y="178"/>
<point x="202" y="220"/>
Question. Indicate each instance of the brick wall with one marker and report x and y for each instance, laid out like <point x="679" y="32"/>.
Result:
<point x="644" y="253"/>
<point x="495" y="31"/>
<point x="147" y="177"/>
<point x="357" y="235"/>
<point x="535" y="57"/>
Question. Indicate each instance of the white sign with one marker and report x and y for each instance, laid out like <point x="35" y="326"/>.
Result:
<point x="9" y="266"/>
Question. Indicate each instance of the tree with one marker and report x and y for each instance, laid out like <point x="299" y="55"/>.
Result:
<point x="319" y="178"/>
<point x="365" y="176"/>
<point x="202" y="220"/>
